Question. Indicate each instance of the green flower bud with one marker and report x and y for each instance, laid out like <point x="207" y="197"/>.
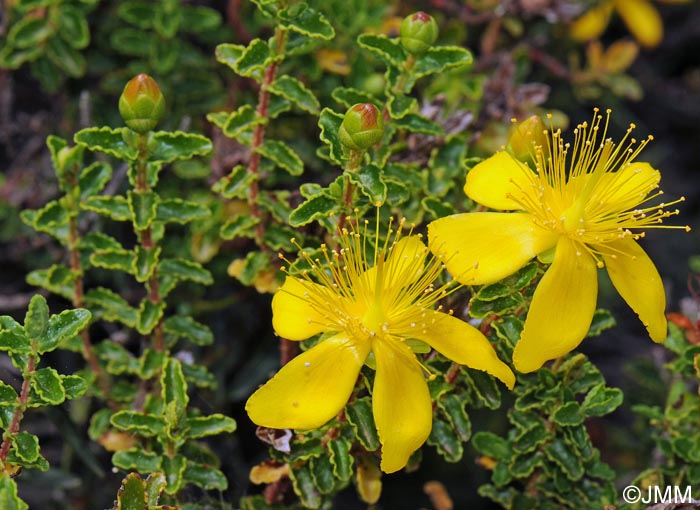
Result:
<point x="362" y="127"/>
<point x="141" y="105"/>
<point x="418" y="32"/>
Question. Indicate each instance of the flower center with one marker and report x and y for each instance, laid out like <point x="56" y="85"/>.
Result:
<point x="374" y="319"/>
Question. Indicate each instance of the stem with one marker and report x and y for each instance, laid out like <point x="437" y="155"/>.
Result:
<point x="17" y="416"/>
<point x="145" y="237"/>
<point x="353" y="166"/>
<point x="288" y="350"/>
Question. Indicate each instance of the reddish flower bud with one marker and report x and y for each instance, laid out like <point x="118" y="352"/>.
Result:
<point x="141" y="105"/>
<point x="362" y="127"/>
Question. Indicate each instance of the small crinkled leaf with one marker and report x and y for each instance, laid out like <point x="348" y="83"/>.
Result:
<point x="296" y="92"/>
<point x="446" y="440"/>
<point x="63" y="327"/>
<point x="9" y="500"/>
<point x="73" y="26"/>
<point x="183" y="269"/>
<point x="107" y="140"/>
<point x="306" y="21"/>
<point x="242" y="120"/>
<point x="388" y="50"/>
<point x="499" y="306"/>
<point x="116" y="260"/>
<point x="400" y="106"/>
<point x="601" y="400"/>
<point x="147" y="425"/>
<point x="150" y="363"/>
<point x="330" y="122"/>
<point x="26" y="446"/>
<point x="240" y="225"/>
<point x="116" y="207"/>
<point x="48" y="385"/>
<point x="155" y="484"/>
<point x="359" y="415"/>
<point x="437" y="208"/>
<point x="176" y="210"/>
<point x="341" y="458"/>
<point x="416" y="123"/>
<point x="132" y="42"/>
<point x="15" y="342"/>
<point x="131" y="494"/>
<point x="282" y="156"/>
<point x="484" y="387"/>
<point x="57" y="279"/>
<point x="491" y="445"/>
<point x="111" y="306"/>
<point x="137" y="12"/>
<point x="278" y="237"/>
<point x="322" y="473"/>
<point x="439" y="59"/>
<point x="254" y="59"/>
<point x="527" y="440"/>
<point x="36" y="320"/>
<point x="602" y="320"/>
<point x="199" y="376"/>
<point x="205" y="476"/>
<point x="149" y="315"/>
<point x="253" y="264"/>
<point x="454" y="407"/>
<point x="166" y="146"/>
<point x="75" y="386"/>
<point x="560" y="452"/>
<point x="143" y="206"/>
<point x="93" y="179"/>
<point x="116" y="358"/>
<point x="52" y="219"/>
<point x="229" y="54"/>
<point x="200" y="19"/>
<point x="174" y="470"/>
<point x="202" y="426"/>
<point x="145" y="263"/>
<point x="369" y="180"/>
<point x="30" y="31"/>
<point x="568" y="414"/>
<point x="174" y="386"/>
<point x="304" y="487"/>
<point x="348" y="97"/>
<point x="314" y="208"/>
<point x="8" y="395"/>
<point x="236" y="184"/>
<point x="137" y="459"/>
<point x="180" y="326"/>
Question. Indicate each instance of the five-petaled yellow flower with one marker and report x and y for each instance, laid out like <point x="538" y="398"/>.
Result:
<point x="365" y="309"/>
<point x="580" y="209"/>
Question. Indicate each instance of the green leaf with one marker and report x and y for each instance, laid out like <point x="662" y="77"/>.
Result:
<point x="322" y="474"/>
<point x="166" y="147"/>
<point x="306" y="21"/>
<point x="445" y="439"/>
<point x="52" y="219"/>
<point x="568" y="414"/>
<point x="155" y="484"/>
<point x="530" y="438"/>
<point x="73" y="27"/>
<point x="388" y="50"/>
<point x="236" y="184"/>
<point x="369" y="180"/>
<point x="180" y="326"/>
<point x="15" y="341"/>
<point x="254" y="262"/>
<point x="93" y="179"/>
<point x="57" y="279"/>
<point x="145" y="263"/>
<point x="8" y="395"/>
<point x="240" y="225"/>
<point x="282" y="156"/>
<point x="437" y="208"/>
<point x="143" y="206"/>
<point x="303" y="484"/>
<point x="454" y="407"/>
<point x="229" y="54"/>
<point x="278" y="237"/>
<point x="36" y="321"/>
<point x="48" y="386"/>
<point x="138" y="460"/>
<point x="439" y="59"/>
<point x="563" y="455"/>
<point x="484" y="387"/>
<point x="314" y="208"/>
<point x="348" y="97"/>
<point x="200" y="19"/>
<point x="132" y="493"/>
<point x="601" y="400"/>
<point x="400" y="106"/>
<point x="174" y="386"/>
<point x="116" y="260"/>
<point x="132" y="42"/>
<point x="491" y="445"/>
<point x="240" y="121"/>
<point x="111" y="306"/>
<point x="147" y="425"/>
<point x="116" y="358"/>
<point x="330" y="122"/>
<point x="176" y="210"/>
<point x="602" y="320"/>
<point x="174" y="469"/>
<point x="74" y="385"/>
<point x="205" y="476"/>
<point x="107" y="140"/>
<point x="296" y="92"/>
<point x="341" y="458"/>
<point x="150" y="363"/>
<point x="254" y="59"/>
<point x="63" y="327"/>
<point x="116" y="208"/>
<point x="9" y="500"/>
<point x="30" y="31"/>
<point x="416" y="123"/>
<point x="211" y="425"/>
<point x="149" y="315"/>
<point x="26" y="446"/>
<point x="185" y="270"/>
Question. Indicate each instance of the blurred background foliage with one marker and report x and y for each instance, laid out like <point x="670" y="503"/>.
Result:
<point x="63" y="64"/>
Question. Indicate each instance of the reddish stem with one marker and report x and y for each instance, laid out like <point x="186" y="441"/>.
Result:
<point x="17" y="416"/>
<point x="288" y="350"/>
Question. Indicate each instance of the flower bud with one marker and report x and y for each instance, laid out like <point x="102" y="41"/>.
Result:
<point x="525" y="135"/>
<point x="362" y="127"/>
<point x="418" y="32"/>
<point x="141" y="105"/>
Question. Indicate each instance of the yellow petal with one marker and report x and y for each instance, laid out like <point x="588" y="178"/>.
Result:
<point x="643" y="20"/>
<point x="293" y="315"/>
<point x="624" y="189"/>
<point x="561" y="310"/>
<point x="492" y="181"/>
<point x="592" y="24"/>
<point x="400" y="402"/>
<point x="462" y="343"/>
<point x="404" y="265"/>
<point x="481" y="248"/>
<point x="301" y="395"/>
<point x="636" y="279"/>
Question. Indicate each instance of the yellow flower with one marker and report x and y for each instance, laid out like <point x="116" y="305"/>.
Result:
<point x="577" y="210"/>
<point x="640" y="16"/>
<point x="366" y="309"/>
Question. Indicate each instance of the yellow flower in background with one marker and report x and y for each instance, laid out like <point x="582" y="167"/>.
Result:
<point x="581" y="209"/>
<point x="366" y="308"/>
<point x="640" y="16"/>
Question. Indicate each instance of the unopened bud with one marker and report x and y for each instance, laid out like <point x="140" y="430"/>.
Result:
<point x="141" y="105"/>
<point x="526" y="135"/>
<point x="418" y="32"/>
<point x="362" y="127"/>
